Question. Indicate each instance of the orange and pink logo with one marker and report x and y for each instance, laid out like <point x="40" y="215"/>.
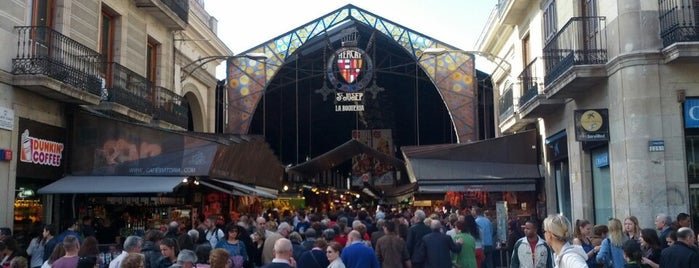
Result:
<point x="39" y="151"/>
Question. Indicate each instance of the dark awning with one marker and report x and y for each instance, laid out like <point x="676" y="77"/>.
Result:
<point x="235" y="188"/>
<point x="112" y="184"/>
<point x="339" y="155"/>
<point x="507" y="163"/>
<point x="104" y="146"/>
<point x="399" y="193"/>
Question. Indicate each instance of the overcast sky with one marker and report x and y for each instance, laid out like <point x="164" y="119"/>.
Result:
<point x="243" y="24"/>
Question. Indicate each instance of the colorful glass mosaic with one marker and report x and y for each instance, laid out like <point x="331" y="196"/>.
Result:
<point x="452" y="71"/>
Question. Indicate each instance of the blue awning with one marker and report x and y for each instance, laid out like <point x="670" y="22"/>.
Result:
<point x="112" y="184"/>
<point x="556" y="137"/>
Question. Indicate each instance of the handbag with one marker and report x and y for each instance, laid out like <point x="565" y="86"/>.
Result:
<point x="237" y="261"/>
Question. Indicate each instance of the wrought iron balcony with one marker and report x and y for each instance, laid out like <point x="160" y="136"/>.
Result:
<point x="679" y="23"/>
<point x="506" y="105"/>
<point x="578" y="51"/>
<point x="530" y="83"/>
<point x="47" y="61"/>
<point x="174" y="14"/>
<point x="533" y="103"/>
<point x="129" y="89"/>
<point x="171" y="107"/>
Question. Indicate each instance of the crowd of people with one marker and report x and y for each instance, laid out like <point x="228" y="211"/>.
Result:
<point x="358" y="239"/>
<point x="614" y="245"/>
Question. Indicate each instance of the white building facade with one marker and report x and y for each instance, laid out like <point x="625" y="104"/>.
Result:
<point x="130" y="60"/>
<point x="610" y="86"/>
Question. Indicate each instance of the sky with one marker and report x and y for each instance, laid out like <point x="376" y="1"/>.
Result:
<point x="456" y="22"/>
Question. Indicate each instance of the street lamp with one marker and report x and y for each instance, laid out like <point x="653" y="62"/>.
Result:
<point x="194" y="65"/>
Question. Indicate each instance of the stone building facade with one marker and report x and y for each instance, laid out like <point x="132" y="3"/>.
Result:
<point x="137" y="60"/>
<point x="609" y="86"/>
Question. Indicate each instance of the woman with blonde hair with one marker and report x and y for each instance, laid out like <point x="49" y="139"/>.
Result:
<point x="631" y="228"/>
<point x="611" y="254"/>
<point x="133" y="260"/>
<point x="220" y="258"/>
<point x="557" y="235"/>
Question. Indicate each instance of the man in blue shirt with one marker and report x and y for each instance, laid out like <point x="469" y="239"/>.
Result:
<point x="486" y="228"/>
<point x="357" y="254"/>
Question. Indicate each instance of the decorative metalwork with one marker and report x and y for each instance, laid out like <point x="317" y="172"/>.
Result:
<point x="582" y="40"/>
<point x="130" y="89"/>
<point x="42" y="50"/>
<point x="530" y="83"/>
<point x="679" y="20"/>
<point x="171" y="107"/>
<point x="506" y="104"/>
<point x="180" y="7"/>
<point x="458" y="91"/>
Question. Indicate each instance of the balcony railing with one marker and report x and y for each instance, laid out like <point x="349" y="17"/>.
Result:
<point x="44" y="51"/>
<point x="171" y="107"/>
<point x="130" y="89"/>
<point x="506" y="104"/>
<point x="501" y="6"/>
<point x="581" y="41"/>
<point x="530" y="83"/>
<point x="678" y="21"/>
<point x="180" y="7"/>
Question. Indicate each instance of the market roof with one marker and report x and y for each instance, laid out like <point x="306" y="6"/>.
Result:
<point x="484" y="165"/>
<point x="341" y="154"/>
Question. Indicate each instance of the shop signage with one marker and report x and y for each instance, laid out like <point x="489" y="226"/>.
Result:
<point x="109" y="147"/>
<point x="349" y="71"/>
<point x="602" y="160"/>
<point x="592" y="125"/>
<point x="7" y="118"/>
<point x="691" y="113"/>
<point x="5" y="155"/>
<point x="656" y="146"/>
<point x="41" y="150"/>
<point x="557" y="146"/>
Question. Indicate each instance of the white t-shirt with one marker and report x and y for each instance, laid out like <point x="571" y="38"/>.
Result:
<point x="213" y="239"/>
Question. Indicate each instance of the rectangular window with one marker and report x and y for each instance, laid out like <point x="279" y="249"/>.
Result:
<point x="42" y="13"/>
<point x="563" y="187"/>
<point x="591" y="26"/>
<point x="107" y="45"/>
<point x="151" y="61"/>
<point x="526" y="51"/>
<point x="601" y="184"/>
<point x="550" y="19"/>
<point x="42" y="19"/>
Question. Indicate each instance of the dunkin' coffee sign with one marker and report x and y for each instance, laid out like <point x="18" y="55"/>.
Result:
<point x="39" y="151"/>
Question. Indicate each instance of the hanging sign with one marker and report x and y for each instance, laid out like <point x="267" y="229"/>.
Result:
<point x="592" y="125"/>
<point x="349" y="71"/>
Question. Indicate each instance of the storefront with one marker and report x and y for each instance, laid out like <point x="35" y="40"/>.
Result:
<point x="481" y="173"/>
<point x="132" y="177"/>
<point x="40" y="160"/>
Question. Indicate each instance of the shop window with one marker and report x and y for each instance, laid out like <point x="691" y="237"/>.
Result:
<point x="692" y="150"/>
<point x="563" y="187"/>
<point x="601" y="184"/>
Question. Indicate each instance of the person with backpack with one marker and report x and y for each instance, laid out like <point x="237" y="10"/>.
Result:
<point x="213" y="233"/>
<point x="531" y="250"/>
